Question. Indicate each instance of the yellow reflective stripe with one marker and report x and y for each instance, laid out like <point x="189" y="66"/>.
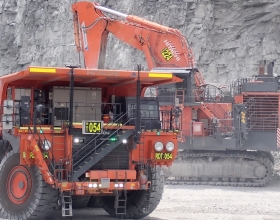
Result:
<point x="104" y="124"/>
<point x="77" y="123"/>
<point x="161" y="75"/>
<point x="42" y="70"/>
<point x="38" y="128"/>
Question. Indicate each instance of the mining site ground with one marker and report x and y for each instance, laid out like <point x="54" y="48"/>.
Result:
<point x="206" y="202"/>
<point x="198" y="202"/>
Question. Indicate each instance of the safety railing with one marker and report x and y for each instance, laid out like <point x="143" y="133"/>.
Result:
<point x="218" y="111"/>
<point x="158" y="119"/>
<point x="149" y="121"/>
<point x="237" y="85"/>
<point x="224" y="127"/>
<point x="57" y="114"/>
<point x="216" y="128"/>
<point x="92" y="144"/>
<point x="208" y="93"/>
<point x="82" y="111"/>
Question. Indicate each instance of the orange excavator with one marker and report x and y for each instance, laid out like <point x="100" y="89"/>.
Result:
<point x="162" y="46"/>
<point x="227" y="131"/>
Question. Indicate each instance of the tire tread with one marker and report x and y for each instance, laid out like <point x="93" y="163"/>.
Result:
<point x="43" y="205"/>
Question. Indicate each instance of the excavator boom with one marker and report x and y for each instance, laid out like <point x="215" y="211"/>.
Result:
<point x="161" y="45"/>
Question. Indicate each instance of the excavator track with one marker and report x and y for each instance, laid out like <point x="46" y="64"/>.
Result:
<point x="221" y="168"/>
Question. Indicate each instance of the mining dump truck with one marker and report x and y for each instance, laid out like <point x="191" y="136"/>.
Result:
<point x="71" y="133"/>
<point x="227" y="132"/>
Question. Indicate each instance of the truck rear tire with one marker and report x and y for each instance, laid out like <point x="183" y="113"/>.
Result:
<point x="4" y="148"/>
<point x="136" y="200"/>
<point x="23" y="193"/>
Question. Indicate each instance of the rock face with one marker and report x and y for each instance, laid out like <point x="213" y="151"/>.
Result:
<point x="229" y="37"/>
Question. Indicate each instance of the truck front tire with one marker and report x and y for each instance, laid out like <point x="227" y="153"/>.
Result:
<point x="23" y="193"/>
<point x="137" y="200"/>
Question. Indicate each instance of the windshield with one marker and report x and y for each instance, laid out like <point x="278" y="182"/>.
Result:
<point x="149" y="109"/>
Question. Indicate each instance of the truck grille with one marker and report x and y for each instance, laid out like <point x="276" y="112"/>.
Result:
<point x="116" y="159"/>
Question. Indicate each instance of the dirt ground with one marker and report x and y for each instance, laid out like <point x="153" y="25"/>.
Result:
<point x="207" y="202"/>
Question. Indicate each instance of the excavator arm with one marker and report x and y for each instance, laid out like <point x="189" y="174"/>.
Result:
<point x="161" y="45"/>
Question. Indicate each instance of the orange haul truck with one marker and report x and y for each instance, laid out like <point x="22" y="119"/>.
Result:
<point x="57" y="149"/>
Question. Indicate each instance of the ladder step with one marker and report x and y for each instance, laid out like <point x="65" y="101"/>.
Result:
<point x="66" y="200"/>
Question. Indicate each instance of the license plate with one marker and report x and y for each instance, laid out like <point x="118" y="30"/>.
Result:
<point x="163" y="156"/>
<point x="92" y="127"/>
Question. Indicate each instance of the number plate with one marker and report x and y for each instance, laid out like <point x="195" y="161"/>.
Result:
<point x="163" y="156"/>
<point x="92" y="127"/>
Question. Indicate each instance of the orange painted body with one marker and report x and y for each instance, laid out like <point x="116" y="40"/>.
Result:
<point x="161" y="45"/>
<point x="205" y="111"/>
<point x="61" y="150"/>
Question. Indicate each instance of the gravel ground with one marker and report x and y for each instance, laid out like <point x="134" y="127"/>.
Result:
<point x="207" y="202"/>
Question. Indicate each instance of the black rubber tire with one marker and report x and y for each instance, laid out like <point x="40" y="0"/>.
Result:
<point x="2" y="150"/>
<point x="136" y="201"/>
<point x="79" y="202"/>
<point x="41" y="201"/>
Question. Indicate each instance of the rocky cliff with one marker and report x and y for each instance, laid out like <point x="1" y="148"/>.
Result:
<point x="229" y="37"/>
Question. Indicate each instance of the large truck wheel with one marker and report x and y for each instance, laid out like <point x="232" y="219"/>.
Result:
<point x="79" y="202"/>
<point x="137" y="200"/>
<point x="4" y="148"/>
<point x="23" y="193"/>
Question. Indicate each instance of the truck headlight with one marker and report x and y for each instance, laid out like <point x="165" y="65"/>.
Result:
<point x="46" y="145"/>
<point x="78" y="140"/>
<point x="158" y="146"/>
<point x="169" y="146"/>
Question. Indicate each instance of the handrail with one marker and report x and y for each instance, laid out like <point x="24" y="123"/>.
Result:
<point x="93" y="138"/>
<point x="80" y="151"/>
<point x="96" y="136"/>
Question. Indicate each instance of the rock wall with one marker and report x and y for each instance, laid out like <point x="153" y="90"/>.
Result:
<point x="229" y="37"/>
